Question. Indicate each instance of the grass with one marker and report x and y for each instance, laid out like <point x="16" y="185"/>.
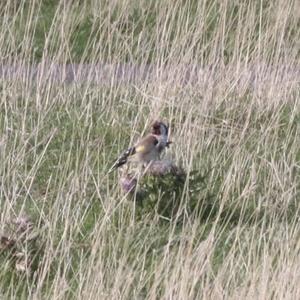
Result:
<point x="230" y="229"/>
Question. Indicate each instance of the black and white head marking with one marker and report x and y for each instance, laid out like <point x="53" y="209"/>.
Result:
<point x="164" y="129"/>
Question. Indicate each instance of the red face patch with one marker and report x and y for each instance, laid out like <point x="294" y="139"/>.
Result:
<point x="156" y="128"/>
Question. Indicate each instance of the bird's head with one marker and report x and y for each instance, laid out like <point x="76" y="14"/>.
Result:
<point x="159" y="128"/>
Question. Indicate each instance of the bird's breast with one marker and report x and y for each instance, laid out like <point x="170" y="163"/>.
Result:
<point x="153" y="155"/>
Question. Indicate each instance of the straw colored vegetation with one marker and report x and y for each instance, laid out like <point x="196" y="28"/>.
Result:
<point x="230" y="229"/>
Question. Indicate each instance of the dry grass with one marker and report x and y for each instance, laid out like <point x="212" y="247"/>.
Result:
<point x="234" y="118"/>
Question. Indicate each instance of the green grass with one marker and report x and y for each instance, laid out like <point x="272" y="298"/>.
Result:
<point x="64" y="158"/>
<point x="80" y="30"/>
<point x="229" y="228"/>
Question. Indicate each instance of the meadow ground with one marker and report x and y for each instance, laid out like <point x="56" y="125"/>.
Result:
<point x="224" y="75"/>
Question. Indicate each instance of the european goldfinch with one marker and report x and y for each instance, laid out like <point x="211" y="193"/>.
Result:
<point x="148" y="148"/>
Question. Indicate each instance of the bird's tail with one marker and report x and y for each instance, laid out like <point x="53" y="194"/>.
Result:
<point x="122" y="159"/>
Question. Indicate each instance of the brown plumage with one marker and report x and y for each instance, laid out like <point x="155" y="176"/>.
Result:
<point x="147" y="149"/>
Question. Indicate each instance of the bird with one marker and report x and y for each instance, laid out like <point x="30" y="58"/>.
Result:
<point x="147" y="149"/>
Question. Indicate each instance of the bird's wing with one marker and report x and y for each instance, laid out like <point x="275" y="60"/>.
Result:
<point x="123" y="158"/>
<point x="144" y="146"/>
